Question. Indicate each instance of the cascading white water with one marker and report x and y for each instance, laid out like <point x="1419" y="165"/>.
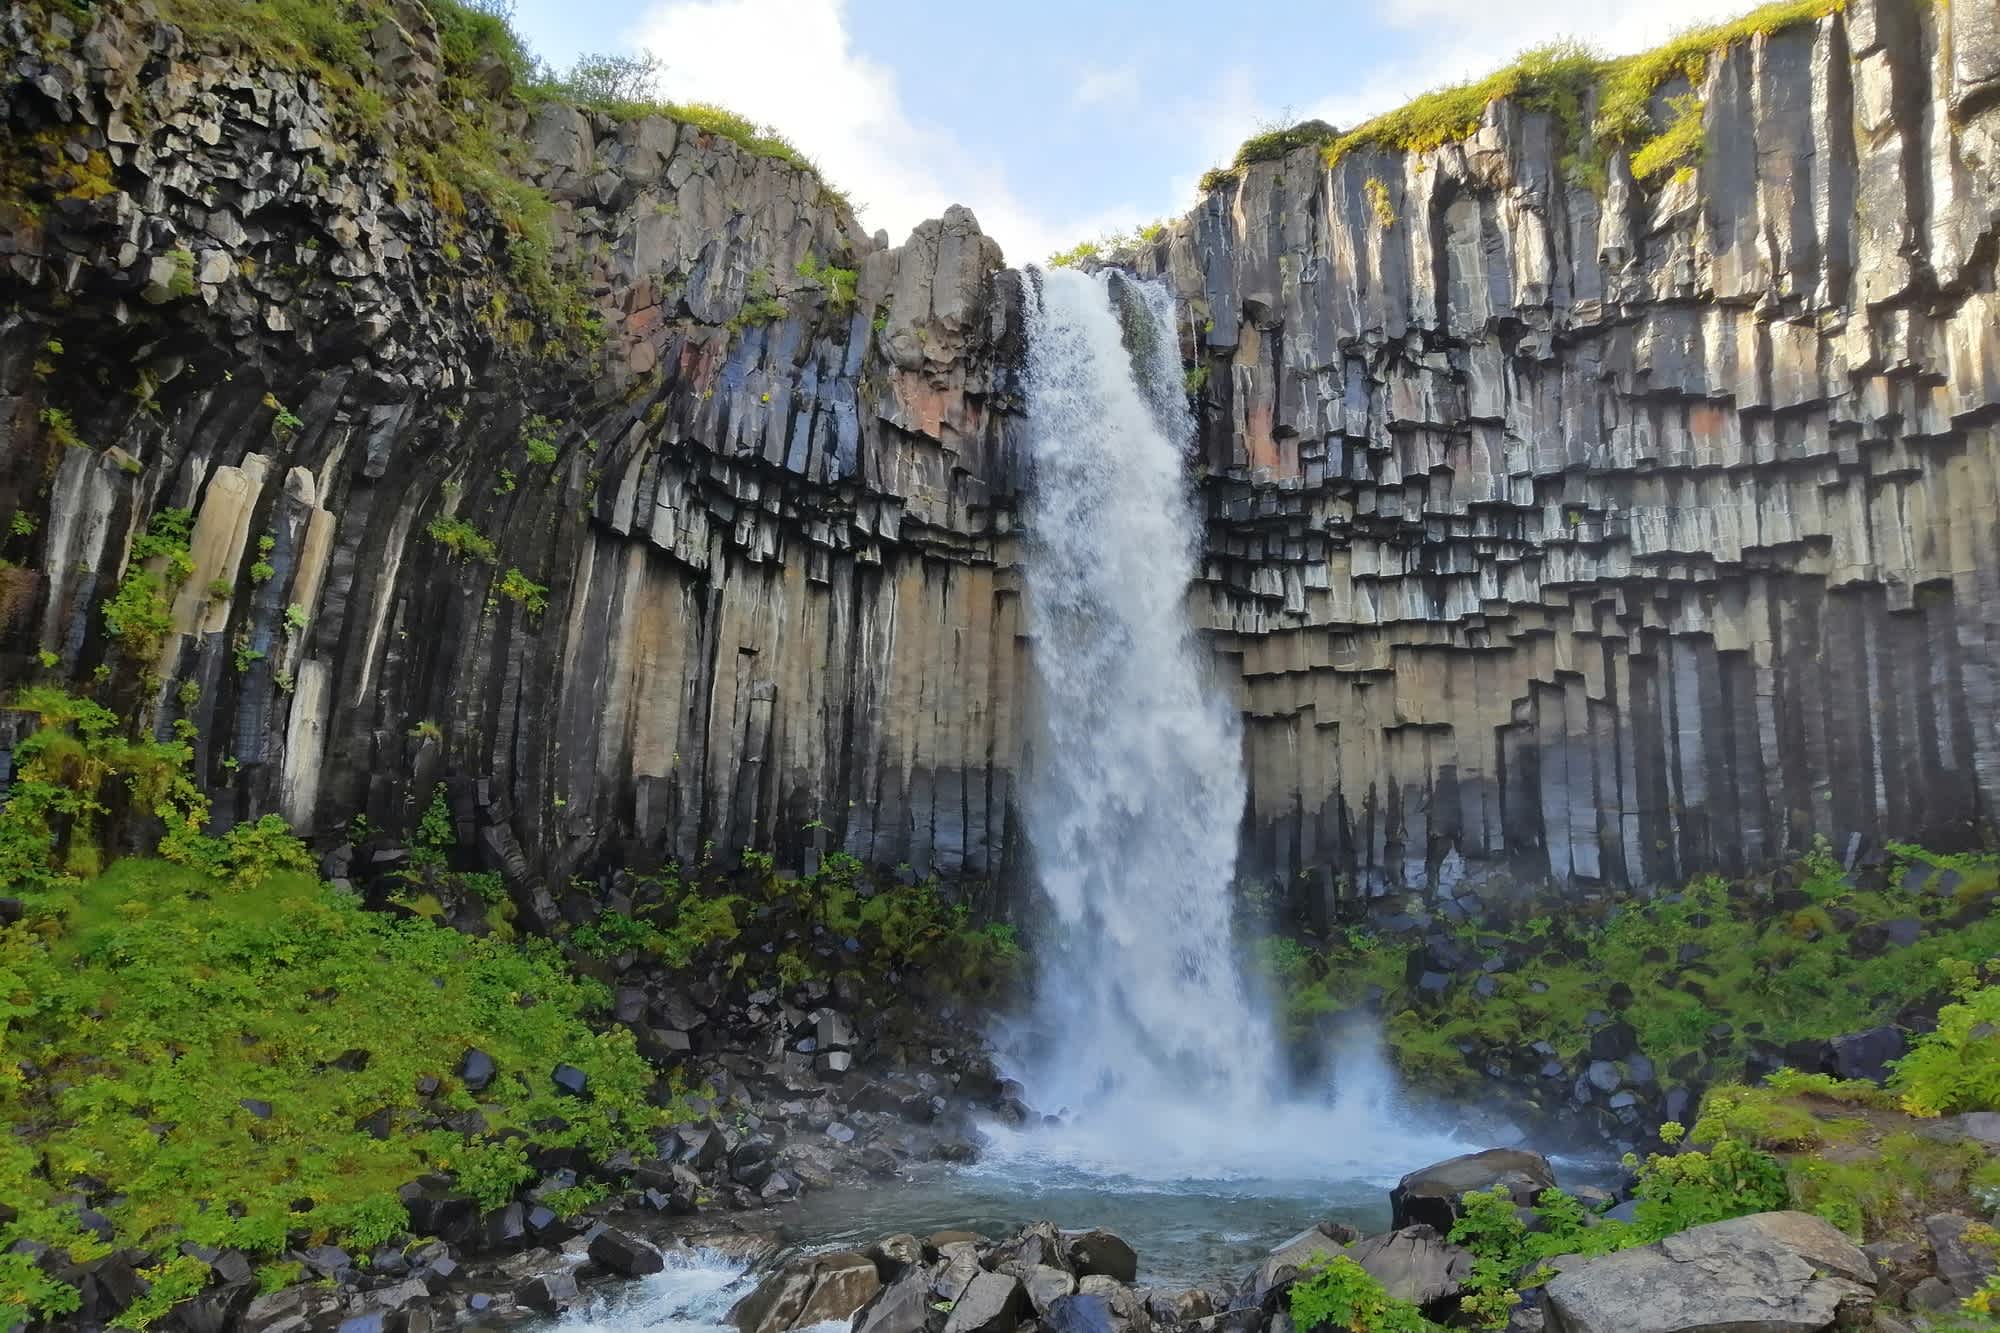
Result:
<point x="1136" y="783"/>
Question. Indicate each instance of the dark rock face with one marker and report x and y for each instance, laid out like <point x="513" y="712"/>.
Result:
<point x="772" y="539"/>
<point x="1664" y="514"/>
<point x="1865" y="1055"/>
<point x="1626" y="498"/>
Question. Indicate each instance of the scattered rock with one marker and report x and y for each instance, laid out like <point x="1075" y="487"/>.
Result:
<point x="1774" y="1272"/>
<point x="991" y="1303"/>
<point x="624" y="1255"/>
<point x="1099" y="1252"/>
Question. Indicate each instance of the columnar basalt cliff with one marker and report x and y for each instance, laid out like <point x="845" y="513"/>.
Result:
<point x="1599" y="533"/>
<point x="1614" y="536"/>
<point x="751" y="505"/>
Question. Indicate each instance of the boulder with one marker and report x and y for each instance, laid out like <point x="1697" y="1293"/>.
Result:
<point x="475" y="1070"/>
<point x="627" y="1256"/>
<point x="895" y="1255"/>
<point x="811" y="1290"/>
<point x="1099" y="1252"/>
<point x="1035" y="1245"/>
<point x="1081" y="1313"/>
<point x="991" y="1303"/>
<point x="1431" y="1195"/>
<point x="1045" y="1286"/>
<point x="1782" y="1272"/>
<point x="904" y="1306"/>
<point x="1865" y="1055"/>
<point x="1126" y="1307"/>
<point x="1288" y="1260"/>
<point x="1962" y="1265"/>
<point x="550" y="1293"/>
<point x="843" y="1283"/>
<point x="1418" y="1265"/>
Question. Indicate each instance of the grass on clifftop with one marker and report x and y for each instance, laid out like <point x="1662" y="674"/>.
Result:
<point x="1558" y="79"/>
<point x="239" y="1064"/>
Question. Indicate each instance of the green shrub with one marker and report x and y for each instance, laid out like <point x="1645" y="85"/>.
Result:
<point x="518" y="588"/>
<point x="461" y="538"/>
<point x="1341" y="1294"/>
<point x="1957" y="1067"/>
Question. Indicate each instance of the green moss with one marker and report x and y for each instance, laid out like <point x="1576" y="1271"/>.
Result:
<point x="1278" y="141"/>
<point x="524" y="592"/>
<point x="1378" y="202"/>
<point x="838" y="283"/>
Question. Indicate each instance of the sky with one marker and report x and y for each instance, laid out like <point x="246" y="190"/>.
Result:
<point x="1059" y="122"/>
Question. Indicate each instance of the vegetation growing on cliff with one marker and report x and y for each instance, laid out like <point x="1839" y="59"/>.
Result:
<point x="1602" y="104"/>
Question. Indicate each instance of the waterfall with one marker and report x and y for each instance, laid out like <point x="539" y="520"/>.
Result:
<point x="1136" y="782"/>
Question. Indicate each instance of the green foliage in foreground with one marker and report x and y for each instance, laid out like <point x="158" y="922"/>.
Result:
<point x="1341" y="1294"/>
<point x="139" y="1011"/>
<point x="1675" y="1191"/>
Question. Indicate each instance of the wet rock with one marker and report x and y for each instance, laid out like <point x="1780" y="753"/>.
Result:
<point x="624" y="1255"/>
<point x="1777" y="1272"/>
<point x="990" y="1303"/>
<point x="570" y="1081"/>
<point x="812" y="1290"/>
<point x="1431" y="1195"/>
<point x="1100" y="1253"/>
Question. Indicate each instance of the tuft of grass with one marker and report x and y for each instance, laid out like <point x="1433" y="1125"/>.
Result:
<point x="1277" y="141"/>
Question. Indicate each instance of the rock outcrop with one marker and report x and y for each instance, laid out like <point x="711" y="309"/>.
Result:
<point x="1614" y="536"/>
<point x="1786" y="1272"/>
<point x="1595" y="537"/>
<point x="708" y="549"/>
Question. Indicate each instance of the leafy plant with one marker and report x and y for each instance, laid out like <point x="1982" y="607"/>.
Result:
<point x="538" y="438"/>
<point x="1341" y="1294"/>
<point x="461" y="538"/>
<point x="518" y="588"/>
<point x="838" y="283"/>
<point x="1956" y="1067"/>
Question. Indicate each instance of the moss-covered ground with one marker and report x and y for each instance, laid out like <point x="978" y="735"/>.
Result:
<point x="260" y="1063"/>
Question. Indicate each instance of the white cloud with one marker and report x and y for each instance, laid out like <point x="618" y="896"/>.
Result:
<point x="1107" y="87"/>
<point x="792" y="64"/>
